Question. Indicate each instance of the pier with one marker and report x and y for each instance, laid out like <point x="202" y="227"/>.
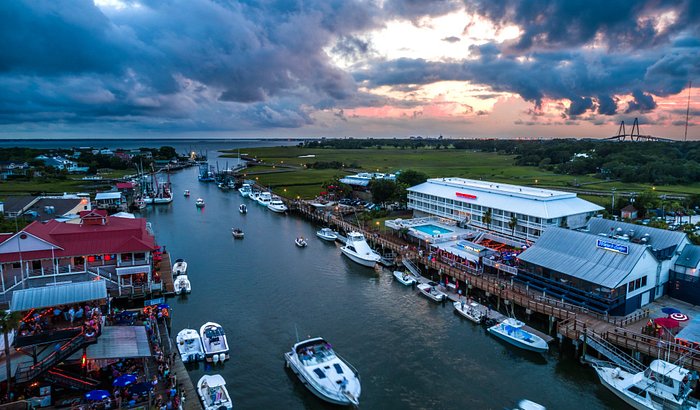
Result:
<point x="165" y="270"/>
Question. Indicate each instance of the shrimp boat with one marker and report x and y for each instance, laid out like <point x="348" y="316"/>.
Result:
<point x="276" y="205"/>
<point x="326" y="374"/>
<point x="243" y="209"/>
<point x="182" y="285"/>
<point x="300" y="242"/>
<point x="161" y="192"/>
<point x="189" y="345"/>
<point x="471" y="311"/>
<point x="357" y="249"/>
<point x="431" y="291"/>
<point x="405" y="278"/>
<point x="180" y="267"/>
<point x="327" y="234"/>
<point x="237" y="233"/>
<point x="212" y="391"/>
<point x="511" y="331"/>
<point x="214" y="342"/>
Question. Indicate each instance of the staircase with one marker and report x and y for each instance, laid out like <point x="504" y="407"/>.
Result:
<point x="609" y="350"/>
<point x="73" y="381"/>
<point x="28" y="371"/>
<point x="411" y="267"/>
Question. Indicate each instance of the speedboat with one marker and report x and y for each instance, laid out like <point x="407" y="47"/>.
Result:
<point x="404" y="277"/>
<point x="357" y="249"/>
<point x="511" y="331"/>
<point x="187" y="193"/>
<point x="300" y="242"/>
<point x="211" y="389"/>
<point x="214" y="342"/>
<point x="525" y="404"/>
<point x="237" y="233"/>
<point x="264" y="198"/>
<point x="243" y="209"/>
<point x="276" y="205"/>
<point x="325" y="373"/>
<point x="431" y="291"/>
<point x="180" y="267"/>
<point x="327" y="234"/>
<point x="189" y="345"/>
<point x="182" y="285"/>
<point x="199" y="203"/>
<point x="662" y="385"/>
<point x="245" y="190"/>
<point x="470" y="310"/>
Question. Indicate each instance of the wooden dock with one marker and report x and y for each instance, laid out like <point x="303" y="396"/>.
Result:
<point x="192" y="401"/>
<point x="165" y="270"/>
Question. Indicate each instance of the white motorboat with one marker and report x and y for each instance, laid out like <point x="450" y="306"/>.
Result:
<point x="264" y="198"/>
<point x="245" y="190"/>
<point x="237" y="233"/>
<point x="300" y="242"/>
<point x="662" y="385"/>
<point x="211" y="389"/>
<point x="327" y="234"/>
<point x="357" y="249"/>
<point x="182" y="285"/>
<point x="189" y="345"/>
<point x="254" y="195"/>
<point x="431" y="291"/>
<point x="243" y="209"/>
<point x="525" y="404"/>
<point x="511" y="330"/>
<point x="276" y="205"/>
<point x="214" y="342"/>
<point x="325" y="373"/>
<point x="180" y="267"/>
<point x="199" y="203"/>
<point x="187" y="193"/>
<point x="471" y="311"/>
<point x="405" y="278"/>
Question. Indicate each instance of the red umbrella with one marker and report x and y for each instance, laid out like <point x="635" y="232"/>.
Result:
<point x="666" y="322"/>
<point x="679" y="317"/>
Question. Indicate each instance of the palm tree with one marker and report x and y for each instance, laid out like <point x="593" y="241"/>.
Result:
<point x="487" y="218"/>
<point x="512" y="224"/>
<point x="8" y="322"/>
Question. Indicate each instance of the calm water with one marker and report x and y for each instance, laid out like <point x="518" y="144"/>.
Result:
<point x="411" y="353"/>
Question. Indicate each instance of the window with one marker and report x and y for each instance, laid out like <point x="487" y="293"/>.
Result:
<point x="140" y="255"/>
<point x="631" y="286"/>
<point x="644" y="281"/>
<point x="16" y="265"/>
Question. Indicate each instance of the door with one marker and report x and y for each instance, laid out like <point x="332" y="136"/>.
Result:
<point x="645" y="298"/>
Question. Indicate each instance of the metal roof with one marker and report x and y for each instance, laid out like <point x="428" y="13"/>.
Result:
<point x="354" y="181"/>
<point x="541" y="203"/>
<point x="107" y="195"/>
<point x="690" y="257"/>
<point x="54" y="295"/>
<point x="658" y="238"/>
<point x="576" y="254"/>
<point x="118" y="342"/>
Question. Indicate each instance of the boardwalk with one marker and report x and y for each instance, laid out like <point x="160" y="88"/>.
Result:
<point x="166" y="275"/>
<point x="192" y="402"/>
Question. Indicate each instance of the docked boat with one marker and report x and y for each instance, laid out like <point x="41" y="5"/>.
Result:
<point x="211" y="389"/>
<point x="245" y="190"/>
<point x="325" y="373"/>
<point x="199" y="203"/>
<point x="159" y="193"/>
<point x="182" y="285"/>
<point x="180" y="267"/>
<point x="254" y="195"/>
<point x="264" y="198"/>
<point x="327" y="234"/>
<point x="405" y="278"/>
<point x="276" y="205"/>
<point x="237" y="233"/>
<point x="662" y="385"/>
<point x="357" y="249"/>
<point x="187" y="193"/>
<point x="300" y="242"/>
<point x="140" y="204"/>
<point x="243" y="209"/>
<point x="471" y="311"/>
<point x="525" y="404"/>
<point x="511" y="331"/>
<point x="189" y="345"/>
<point x="431" y="291"/>
<point x="214" y="342"/>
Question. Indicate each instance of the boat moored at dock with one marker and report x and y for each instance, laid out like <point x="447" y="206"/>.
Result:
<point x="511" y="330"/>
<point x="431" y="291"/>
<point x="180" y="267"/>
<point x="358" y="250"/>
<point x="471" y="311"/>
<point x="277" y="205"/>
<point x="404" y="278"/>
<point x="245" y="190"/>
<point x="327" y="234"/>
<point x="182" y="285"/>
<point x="212" y="391"/>
<point x="214" y="342"/>
<point x="189" y="344"/>
<point x="264" y="198"/>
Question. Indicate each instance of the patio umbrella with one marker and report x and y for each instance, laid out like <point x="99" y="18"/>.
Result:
<point x="140" y="388"/>
<point x="97" y="395"/>
<point x="670" y="310"/>
<point x="124" y="380"/>
<point x="666" y="322"/>
<point x="680" y="317"/>
<point x="166" y="306"/>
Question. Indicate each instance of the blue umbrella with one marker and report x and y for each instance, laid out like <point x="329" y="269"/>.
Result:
<point x="670" y="310"/>
<point x="140" y="388"/>
<point x="97" y="395"/>
<point x="124" y="380"/>
<point x="163" y="306"/>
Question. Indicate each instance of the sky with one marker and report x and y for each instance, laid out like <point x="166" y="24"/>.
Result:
<point x="346" y="68"/>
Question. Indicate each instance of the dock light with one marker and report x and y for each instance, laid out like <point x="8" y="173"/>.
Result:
<point x="256" y="178"/>
<point x="536" y="181"/>
<point x="653" y="188"/>
<point x="285" y="189"/>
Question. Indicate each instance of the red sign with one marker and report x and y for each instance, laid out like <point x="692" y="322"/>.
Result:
<point x="463" y="195"/>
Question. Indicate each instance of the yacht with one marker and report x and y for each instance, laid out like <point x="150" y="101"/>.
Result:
<point x="300" y="242"/>
<point x="405" y="278"/>
<point x="264" y="198"/>
<point x="327" y="234"/>
<point x="662" y="385"/>
<point x="243" y="209"/>
<point x="431" y="291"/>
<point x="180" y="267"/>
<point x="511" y="330"/>
<point x="237" y="233"/>
<point x="211" y="389"/>
<point x="245" y="190"/>
<point x="189" y="345"/>
<point x="276" y="205"/>
<point x="182" y="285"/>
<point x="254" y="195"/>
<point x="325" y="373"/>
<point x="187" y="193"/>
<point x="471" y="311"/>
<point x="357" y="249"/>
<point x="214" y="342"/>
<point x="199" y="203"/>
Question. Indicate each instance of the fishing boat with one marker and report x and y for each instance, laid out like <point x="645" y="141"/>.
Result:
<point x="245" y="190"/>
<point x="189" y="345"/>
<point x="431" y="291"/>
<point x="180" y="267"/>
<point x="662" y="385"/>
<point x="237" y="233"/>
<point x="199" y="203"/>
<point x="300" y="242"/>
<point x="322" y="371"/>
<point x="214" y="342"/>
<point x="276" y="205"/>
<point x="187" y="193"/>
<point x="471" y="311"/>
<point x="327" y="234"/>
<point x="160" y="192"/>
<point x="243" y="209"/>
<point x="205" y="173"/>
<point x="182" y="285"/>
<point x="405" y="278"/>
<point x="211" y="389"/>
<point x="357" y="249"/>
<point x="264" y="198"/>
<point x="511" y="331"/>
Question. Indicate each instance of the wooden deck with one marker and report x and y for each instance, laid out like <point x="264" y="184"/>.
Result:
<point x="192" y="401"/>
<point x="166" y="275"/>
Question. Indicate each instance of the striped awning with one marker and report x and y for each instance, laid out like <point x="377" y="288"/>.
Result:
<point x="60" y="294"/>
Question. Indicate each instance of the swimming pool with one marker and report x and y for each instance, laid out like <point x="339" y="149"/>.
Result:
<point x="431" y="229"/>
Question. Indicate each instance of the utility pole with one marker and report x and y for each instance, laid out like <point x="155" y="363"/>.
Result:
<point x="612" y="207"/>
<point x="687" y="112"/>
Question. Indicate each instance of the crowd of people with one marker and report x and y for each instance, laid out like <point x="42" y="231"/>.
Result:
<point x="36" y="322"/>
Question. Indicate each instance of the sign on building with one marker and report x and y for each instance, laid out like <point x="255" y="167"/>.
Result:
<point x="611" y="246"/>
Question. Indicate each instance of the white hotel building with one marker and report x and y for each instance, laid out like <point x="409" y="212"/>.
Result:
<point x="466" y="201"/>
